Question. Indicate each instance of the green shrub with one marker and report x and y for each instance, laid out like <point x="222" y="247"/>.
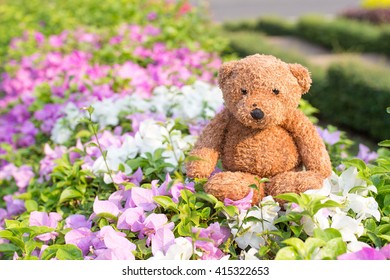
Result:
<point x="356" y="96"/>
<point x="341" y="34"/>
<point x="241" y="25"/>
<point x="385" y="40"/>
<point x="274" y="25"/>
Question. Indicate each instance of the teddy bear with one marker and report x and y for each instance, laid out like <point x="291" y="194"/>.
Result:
<point x="260" y="133"/>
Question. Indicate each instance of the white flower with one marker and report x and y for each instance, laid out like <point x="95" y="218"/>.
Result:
<point x="116" y="157"/>
<point x="348" y="180"/>
<point x="106" y="112"/>
<point x="60" y="132"/>
<point x="269" y="209"/>
<point x="319" y="220"/>
<point x="64" y="127"/>
<point x="355" y="246"/>
<point x="248" y="233"/>
<point x="150" y="136"/>
<point x="250" y="255"/>
<point x="348" y="227"/>
<point x="182" y="249"/>
<point x="364" y="206"/>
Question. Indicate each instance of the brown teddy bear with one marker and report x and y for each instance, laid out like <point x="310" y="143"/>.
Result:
<point x="260" y="133"/>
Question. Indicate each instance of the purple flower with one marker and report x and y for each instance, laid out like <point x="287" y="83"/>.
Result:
<point x="131" y="219"/>
<point x="43" y="219"/>
<point x="143" y="198"/>
<point x="177" y="188"/>
<point x="242" y="204"/>
<point x="77" y="221"/>
<point x="105" y="206"/>
<point x="136" y="178"/>
<point x="113" y="245"/>
<point x="48" y="162"/>
<point x="14" y="206"/>
<point x="162" y="239"/>
<point x="208" y="251"/>
<point x="215" y="233"/>
<point x="330" y="138"/>
<point x="365" y="154"/>
<point x="152" y="223"/>
<point x="23" y="176"/>
<point x="151" y="16"/>
<point x="81" y="237"/>
<point x="367" y="253"/>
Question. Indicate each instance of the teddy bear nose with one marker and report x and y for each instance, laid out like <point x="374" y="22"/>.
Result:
<point x="257" y="114"/>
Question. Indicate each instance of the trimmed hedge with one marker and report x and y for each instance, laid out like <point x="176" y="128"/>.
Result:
<point x="338" y="34"/>
<point x="341" y="34"/>
<point x="349" y="94"/>
<point x="356" y="95"/>
<point x="274" y="25"/>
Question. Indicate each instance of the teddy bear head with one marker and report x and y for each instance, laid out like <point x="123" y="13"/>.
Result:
<point x="260" y="90"/>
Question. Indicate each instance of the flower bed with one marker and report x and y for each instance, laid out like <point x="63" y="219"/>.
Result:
<point x="96" y="127"/>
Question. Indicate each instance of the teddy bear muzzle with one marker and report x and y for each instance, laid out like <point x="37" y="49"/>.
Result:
<point x="257" y="114"/>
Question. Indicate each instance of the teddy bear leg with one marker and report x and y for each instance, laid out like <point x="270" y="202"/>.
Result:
<point x="234" y="185"/>
<point x="295" y="182"/>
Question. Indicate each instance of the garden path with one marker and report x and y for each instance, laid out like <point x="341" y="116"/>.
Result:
<point x="222" y="10"/>
<point x="322" y="56"/>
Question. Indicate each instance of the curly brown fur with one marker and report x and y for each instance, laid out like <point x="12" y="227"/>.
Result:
<point x="261" y="133"/>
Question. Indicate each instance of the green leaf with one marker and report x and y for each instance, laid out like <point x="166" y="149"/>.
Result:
<point x="31" y="205"/>
<point x="290" y="217"/>
<point x="166" y="202"/>
<point x="326" y="204"/>
<point x="385" y="143"/>
<point x="37" y="230"/>
<point x="287" y="253"/>
<point x="69" y="252"/>
<point x="8" y="247"/>
<point x="326" y="234"/>
<point x="385" y="237"/>
<point x="69" y="194"/>
<point x="207" y="197"/>
<point x="83" y="134"/>
<point x="291" y="197"/>
<point x="311" y="245"/>
<point x="30" y="246"/>
<point x="375" y="239"/>
<point x="333" y="248"/>
<point x="296" y="243"/>
<point x="297" y="230"/>
<point x="230" y="210"/>
<point x="358" y="163"/>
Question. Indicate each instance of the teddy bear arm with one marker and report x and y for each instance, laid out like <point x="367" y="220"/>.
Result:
<point x="310" y="145"/>
<point x="207" y="148"/>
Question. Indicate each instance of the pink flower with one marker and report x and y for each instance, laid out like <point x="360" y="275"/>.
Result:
<point x="143" y="198"/>
<point x="132" y="219"/>
<point x="208" y="251"/>
<point x="77" y="221"/>
<point x="43" y="219"/>
<point x="368" y="253"/>
<point x="113" y="245"/>
<point x="81" y="237"/>
<point x="242" y="204"/>
<point x="105" y="206"/>
<point x="23" y="176"/>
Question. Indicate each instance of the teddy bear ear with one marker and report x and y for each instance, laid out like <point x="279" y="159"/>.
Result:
<point x="302" y="75"/>
<point x="225" y="71"/>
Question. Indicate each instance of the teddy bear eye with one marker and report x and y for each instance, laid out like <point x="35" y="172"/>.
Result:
<point x="276" y="91"/>
<point x="244" y="91"/>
